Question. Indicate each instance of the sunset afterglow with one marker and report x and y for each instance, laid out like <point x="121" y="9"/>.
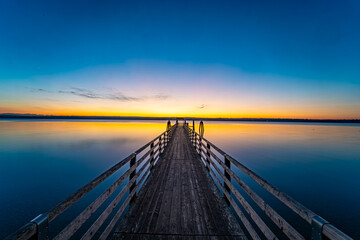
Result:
<point x="184" y="60"/>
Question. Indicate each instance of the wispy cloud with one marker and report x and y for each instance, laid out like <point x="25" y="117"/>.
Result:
<point x="38" y="90"/>
<point x="82" y="93"/>
<point x="116" y="96"/>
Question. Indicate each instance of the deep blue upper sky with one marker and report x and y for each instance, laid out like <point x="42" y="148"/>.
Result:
<point x="296" y="38"/>
<point x="316" y="40"/>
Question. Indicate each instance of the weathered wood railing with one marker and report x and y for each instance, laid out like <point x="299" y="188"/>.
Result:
<point x="209" y="153"/>
<point x="38" y="228"/>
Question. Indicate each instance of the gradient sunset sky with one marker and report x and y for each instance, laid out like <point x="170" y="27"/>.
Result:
<point x="285" y="59"/>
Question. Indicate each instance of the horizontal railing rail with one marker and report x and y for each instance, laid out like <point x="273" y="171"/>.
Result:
<point x="38" y="228"/>
<point x="208" y="153"/>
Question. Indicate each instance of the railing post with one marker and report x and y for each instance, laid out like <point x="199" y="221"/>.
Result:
<point x="164" y="141"/>
<point x="227" y="175"/>
<point x="208" y="156"/>
<point x="200" y="148"/>
<point x="42" y="223"/>
<point x="196" y="143"/>
<point x="132" y="175"/>
<point x="152" y="155"/>
<point x="191" y="137"/>
<point x="160" y="145"/>
<point x="317" y="224"/>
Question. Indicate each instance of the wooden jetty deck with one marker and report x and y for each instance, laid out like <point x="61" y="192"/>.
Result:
<point x="180" y="186"/>
<point x="179" y="200"/>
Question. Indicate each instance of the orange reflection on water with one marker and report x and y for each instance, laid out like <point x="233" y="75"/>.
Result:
<point x="236" y="134"/>
<point x="25" y="132"/>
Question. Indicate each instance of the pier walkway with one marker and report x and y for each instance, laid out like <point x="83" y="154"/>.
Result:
<point x="179" y="200"/>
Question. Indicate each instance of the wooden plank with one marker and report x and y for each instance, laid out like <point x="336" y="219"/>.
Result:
<point x="177" y="199"/>
<point x="204" y="195"/>
<point x="146" y="196"/>
<point x="165" y="209"/>
<point x="145" y="236"/>
<point x="196" y="208"/>
<point x="175" y="222"/>
<point x="149" y="211"/>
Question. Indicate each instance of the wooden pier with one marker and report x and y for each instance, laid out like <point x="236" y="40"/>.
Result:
<point x="180" y="186"/>
<point x="179" y="200"/>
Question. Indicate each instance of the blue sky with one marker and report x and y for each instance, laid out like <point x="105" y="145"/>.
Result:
<point x="304" y="53"/>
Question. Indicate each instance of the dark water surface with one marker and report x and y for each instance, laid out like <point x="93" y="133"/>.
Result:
<point x="42" y="162"/>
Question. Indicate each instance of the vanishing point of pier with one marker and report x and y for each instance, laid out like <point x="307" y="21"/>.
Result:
<point x="180" y="186"/>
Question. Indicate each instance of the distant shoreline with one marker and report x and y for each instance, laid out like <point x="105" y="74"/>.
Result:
<point x="31" y="116"/>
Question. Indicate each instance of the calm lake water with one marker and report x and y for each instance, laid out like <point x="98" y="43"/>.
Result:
<point x="42" y="162"/>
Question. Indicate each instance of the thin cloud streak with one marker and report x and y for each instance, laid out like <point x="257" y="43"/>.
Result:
<point x="117" y="96"/>
<point x="39" y="90"/>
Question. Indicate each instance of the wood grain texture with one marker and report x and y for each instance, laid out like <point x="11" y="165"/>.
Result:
<point x="179" y="200"/>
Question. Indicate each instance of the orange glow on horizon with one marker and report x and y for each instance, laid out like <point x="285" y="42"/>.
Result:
<point x="279" y="115"/>
<point x="216" y="108"/>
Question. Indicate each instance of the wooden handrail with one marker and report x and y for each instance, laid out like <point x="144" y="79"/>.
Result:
<point x="241" y="215"/>
<point x="280" y="222"/>
<point x="123" y="206"/>
<point x="31" y="229"/>
<point x="73" y="226"/>
<point x="288" y="230"/>
<point x="210" y="157"/>
<point x="254" y="216"/>
<point x="105" y="214"/>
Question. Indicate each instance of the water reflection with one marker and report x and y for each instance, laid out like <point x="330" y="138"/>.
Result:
<point x="42" y="162"/>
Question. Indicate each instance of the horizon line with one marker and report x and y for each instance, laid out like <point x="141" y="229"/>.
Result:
<point x="42" y="116"/>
